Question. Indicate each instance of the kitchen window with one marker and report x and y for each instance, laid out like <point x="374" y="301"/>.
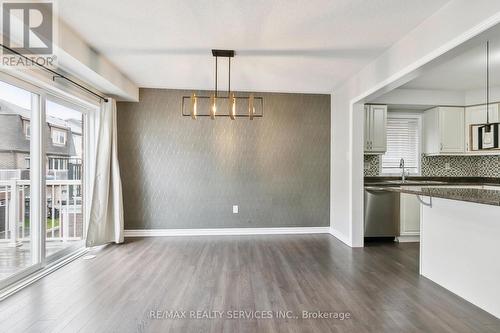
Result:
<point x="58" y="136"/>
<point x="403" y="142"/>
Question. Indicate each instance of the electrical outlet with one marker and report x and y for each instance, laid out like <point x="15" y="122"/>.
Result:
<point x="235" y="209"/>
<point x="447" y="166"/>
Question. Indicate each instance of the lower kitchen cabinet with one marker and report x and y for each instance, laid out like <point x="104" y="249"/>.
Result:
<point x="409" y="229"/>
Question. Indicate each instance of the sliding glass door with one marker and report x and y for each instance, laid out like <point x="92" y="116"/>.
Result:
<point x="43" y="145"/>
<point x="65" y="222"/>
<point x="16" y="236"/>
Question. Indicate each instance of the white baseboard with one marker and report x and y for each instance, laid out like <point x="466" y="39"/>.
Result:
<point x="341" y="237"/>
<point x="408" y="239"/>
<point x="225" y="231"/>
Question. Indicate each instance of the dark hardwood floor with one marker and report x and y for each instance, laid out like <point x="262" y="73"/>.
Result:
<point x="378" y="286"/>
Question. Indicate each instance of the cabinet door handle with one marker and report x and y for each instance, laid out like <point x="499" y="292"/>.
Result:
<point x="441" y="146"/>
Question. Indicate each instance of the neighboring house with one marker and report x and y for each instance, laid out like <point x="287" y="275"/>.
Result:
<point x="63" y="150"/>
<point x="63" y="157"/>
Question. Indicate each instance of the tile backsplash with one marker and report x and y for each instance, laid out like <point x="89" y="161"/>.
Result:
<point x="446" y="166"/>
<point x="461" y="166"/>
<point x="372" y="165"/>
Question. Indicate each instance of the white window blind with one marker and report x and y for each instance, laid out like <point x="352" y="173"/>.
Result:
<point x="403" y="141"/>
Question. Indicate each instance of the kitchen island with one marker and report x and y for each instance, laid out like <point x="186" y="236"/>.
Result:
<point x="460" y="239"/>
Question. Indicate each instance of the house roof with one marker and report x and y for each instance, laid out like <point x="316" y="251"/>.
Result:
<point x="12" y="137"/>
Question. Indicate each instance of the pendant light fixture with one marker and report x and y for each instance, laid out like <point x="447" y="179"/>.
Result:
<point x="488" y="134"/>
<point x="255" y="104"/>
<point x="487" y="127"/>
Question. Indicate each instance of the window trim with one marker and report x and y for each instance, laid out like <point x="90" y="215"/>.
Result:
<point x="407" y="115"/>
<point x="53" y="131"/>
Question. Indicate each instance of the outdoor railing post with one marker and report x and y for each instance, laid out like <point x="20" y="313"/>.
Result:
<point x="65" y="216"/>
<point x="14" y="215"/>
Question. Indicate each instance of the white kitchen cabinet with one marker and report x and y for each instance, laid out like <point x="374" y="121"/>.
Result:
<point x="444" y="130"/>
<point x="475" y="115"/>
<point x="409" y="229"/>
<point x="375" y="129"/>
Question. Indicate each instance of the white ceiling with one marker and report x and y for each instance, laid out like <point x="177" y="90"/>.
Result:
<point x="464" y="72"/>
<point x="281" y="45"/>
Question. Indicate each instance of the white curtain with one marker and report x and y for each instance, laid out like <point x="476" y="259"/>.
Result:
<point x="106" y="209"/>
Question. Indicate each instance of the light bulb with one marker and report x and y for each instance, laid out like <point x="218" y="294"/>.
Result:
<point x="213" y="106"/>
<point x="194" y="102"/>
<point x="251" y="107"/>
<point x="232" y="112"/>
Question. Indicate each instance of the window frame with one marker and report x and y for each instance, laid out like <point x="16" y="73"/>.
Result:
<point x="406" y="115"/>
<point x="41" y="92"/>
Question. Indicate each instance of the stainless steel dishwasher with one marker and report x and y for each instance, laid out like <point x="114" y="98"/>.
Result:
<point x="382" y="213"/>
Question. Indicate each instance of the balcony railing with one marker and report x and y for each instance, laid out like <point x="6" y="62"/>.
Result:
<point x="64" y="214"/>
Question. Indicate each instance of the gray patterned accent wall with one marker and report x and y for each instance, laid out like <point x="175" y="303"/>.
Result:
<point x="184" y="173"/>
<point x="459" y="166"/>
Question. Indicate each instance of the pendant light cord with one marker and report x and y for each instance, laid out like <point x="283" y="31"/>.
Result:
<point x="487" y="82"/>
<point x="229" y="78"/>
<point x="216" y="92"/>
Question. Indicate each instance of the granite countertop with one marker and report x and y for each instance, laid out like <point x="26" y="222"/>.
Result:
<point x="443" y="181"/>
<point x="469" y="193"/>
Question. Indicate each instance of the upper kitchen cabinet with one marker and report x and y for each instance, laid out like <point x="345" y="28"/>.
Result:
<point x="475" y="115"/>
<point x="375" y="129"/>
<point x="443" y="130"/>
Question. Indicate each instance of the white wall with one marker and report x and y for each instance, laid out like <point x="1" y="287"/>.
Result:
<point x="419" y="97"/>
<point x="478" y="96"/>
<point x="422" y="97"/>
<point x="453" y="24"/>
<point x="77" y="57"/>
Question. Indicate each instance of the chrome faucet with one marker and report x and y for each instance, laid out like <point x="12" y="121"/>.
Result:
<point x="402" y="166"/>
